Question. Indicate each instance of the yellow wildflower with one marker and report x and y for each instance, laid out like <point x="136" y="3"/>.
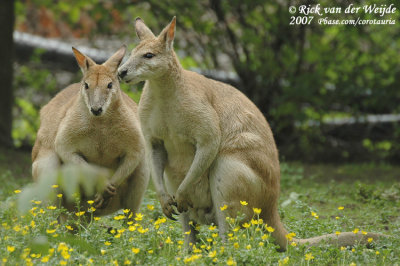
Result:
<point x="363" y="232"/>
<point x="54" y="186"/>
<point x="212" y="227"/>
<point x="150" y="251"/>
<point x="212" y="254"/>
<point x="230" y="262"/>
<point x="337" y="233"/>
<point x="168" y="241"/>
<point x="139" y="217"/>
<point x="17" y="191"/>
<point x="256" y="210"/>
<point x="103" y="251"/>
<point x="80" y="213"/>
<point x="269" y="229"/>
<point x="244" y="203"/>
<point x="127" y="262"/>
<point x="50" y="231"/>
<point x="107" y="243"/>
<point x="309" y="256"/>
<point x="135" y="250"/>
<point x="59" y="195"/>
<point x="248" y="247"/>
<point x="236" y="245"/>
<point x="119" y="217"/>
<point x="150" y="207"/>
<point x="126" y="211"/>
<point x="51" y="207"/>
<point x="10" y="249"/>
<point x="370" y="239"/>
<point x="246" y="225"/>
<point x="340" y="208"/>
<point x="223" y="208"/>
<point x="355" y="231"/>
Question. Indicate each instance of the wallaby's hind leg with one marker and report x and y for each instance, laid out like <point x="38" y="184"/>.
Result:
<point x="47" y="160"/>
<point x="233" y="181"/>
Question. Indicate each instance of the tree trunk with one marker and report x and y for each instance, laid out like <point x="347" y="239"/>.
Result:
<point x="6" y="70"/>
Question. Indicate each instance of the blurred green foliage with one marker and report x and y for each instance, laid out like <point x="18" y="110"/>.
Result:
<point x="294" y="73"/>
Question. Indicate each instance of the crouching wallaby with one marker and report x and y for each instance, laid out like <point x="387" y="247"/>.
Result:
<point x="209" y="144"/>
<point x="94" y="122"/>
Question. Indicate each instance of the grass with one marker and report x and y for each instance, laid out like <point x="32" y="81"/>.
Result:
<point x="311" y="195"/>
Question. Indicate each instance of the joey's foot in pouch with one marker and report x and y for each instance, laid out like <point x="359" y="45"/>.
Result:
<point x="101" y="200"/>
<point x="166" y="204"/>
<point x="183" y="200"/>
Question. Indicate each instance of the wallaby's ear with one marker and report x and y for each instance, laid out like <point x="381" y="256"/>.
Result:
<point x="84" y="61"/>
<point x="168" y="34"/>
<point x="115" y="60"/>
<point x="142" y="31"/>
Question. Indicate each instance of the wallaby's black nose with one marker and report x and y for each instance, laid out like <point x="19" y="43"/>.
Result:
<point x="123" y="73"/>
<point x="96" y="112"/>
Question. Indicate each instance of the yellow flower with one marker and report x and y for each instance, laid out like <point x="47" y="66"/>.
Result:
<point x="246" y="225"/>
<point x="269" y="229"/>
<point x="63" y="262"/>
<point x="135" y="250"/>
<point x="212" y="227"/>
<point x="45" y="258"/>
<point x="59" y="195"/>
<point x="17" y="191"/>
<point x="50" y="231"/>
<point x="132" y="228"/>
<point x="230" y="262"/>
<point x="352" y="264"/>
<point x="37" y="202"/>
<point x="256" y="210"/>
<point x="261" y="244"/>
<point x="293" y="244"/>
<point x="150" y="207"/>
<point x="212" y="254"/>
<point x="139" y="217"/>
<point x="17" y="228"/>
<point x="223" y="208"/>
<point x="90" y="202"/>
<point x="244" y="203"/>
<point x="214" y="235"/>
<point x="127" y="262"/>
<point x="142" y="231"/>
<point x="236" y="245"/>
<point x="337" y="217"/>
<point x="342" y="248"/>
<point x="32" y="224"/>
<point x="107" y="243"/>
<point x="102" y="251"/>
<point x="96" y="218"/>
<point x="353" y="250"/>
<point x="119" y="217"/>
<point x="10" y="249"/>
<point x="92" y="209"/>
<point x="264" y="237"/>
<point x="236" y="229"/>
<point x="337" y="233"/>
<point x="355" y="231"/>
<point x="309" y="256"/>
<point x="168" y="241"/>
<point x="51" y="207"/>
<point x="150" y="251"/>
<point x="340" y="208"/>
<point x="80" y="213"/>
<point x="254" y="222"/>
<point x="363" y="232"/>
<point x="290" y="236"/>
<point x="370" y="239"/>
<point x="377" y="252"/>
<point x="126" y="211"/>
<point x="187" y="232"/>
<point x="54" y="186"/>
<point x="248" y="247"/>
<point x="284" y="261"/>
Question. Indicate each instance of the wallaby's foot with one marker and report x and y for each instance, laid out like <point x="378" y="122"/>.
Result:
<point x="183" y="200"/>
<point x="166" y="204"/>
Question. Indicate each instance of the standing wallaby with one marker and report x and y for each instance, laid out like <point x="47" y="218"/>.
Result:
<point x="209" y="144"/>
<point x="94" y="122"/>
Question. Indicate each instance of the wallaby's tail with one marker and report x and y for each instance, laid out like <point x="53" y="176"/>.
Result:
<point x="342" y="240"/>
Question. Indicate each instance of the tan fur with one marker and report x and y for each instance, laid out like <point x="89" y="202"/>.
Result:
<point x="210" y="145"/>
<point x="71" y="133"/>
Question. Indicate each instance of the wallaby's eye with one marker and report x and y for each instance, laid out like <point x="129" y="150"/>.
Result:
<point x="86" y="86"/>
<point x="109" y="85"/>
<point x="148" y="55"/>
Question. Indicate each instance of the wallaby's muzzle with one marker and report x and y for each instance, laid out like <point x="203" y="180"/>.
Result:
<point x="96" y="111"/>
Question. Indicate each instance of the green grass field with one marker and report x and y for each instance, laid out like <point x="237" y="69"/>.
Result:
<point x="310" y="199"/>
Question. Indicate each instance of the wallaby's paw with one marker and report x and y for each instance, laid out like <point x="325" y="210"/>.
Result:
<point x="98" y="201"/>
<point x="166" y="204"/>
<point x="183" y="201"/>
<point x="111" y="190"/>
